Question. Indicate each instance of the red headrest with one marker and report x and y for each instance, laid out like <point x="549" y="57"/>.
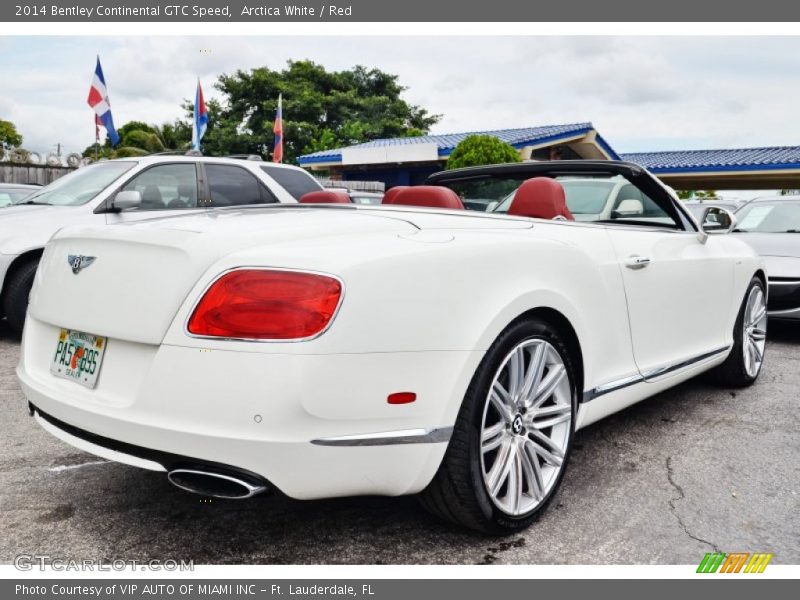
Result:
<point x="540" y="198"/>
<point x="432" y="196"/>
<point x="325" y="197"/>
<point x="391" y="193"/>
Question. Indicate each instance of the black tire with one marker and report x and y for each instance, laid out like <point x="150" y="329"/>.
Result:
<point x="732" y="373"/>
<point x="17" y="289"/>
<point x="457" y="493"/>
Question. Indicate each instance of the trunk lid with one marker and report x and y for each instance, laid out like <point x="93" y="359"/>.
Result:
<point x="142" y="273"/>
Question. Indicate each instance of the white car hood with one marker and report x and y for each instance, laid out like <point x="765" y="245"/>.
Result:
<point x="25" y="228"/>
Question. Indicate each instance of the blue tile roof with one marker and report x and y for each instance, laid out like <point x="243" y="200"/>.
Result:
<point x="518" y="138"/>
<point x="737" y="159"/>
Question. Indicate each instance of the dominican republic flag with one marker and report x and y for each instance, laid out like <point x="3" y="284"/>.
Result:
<point x="98" y="100"/>
<point x="200" y="122"/>
<point x="277" y="129"/>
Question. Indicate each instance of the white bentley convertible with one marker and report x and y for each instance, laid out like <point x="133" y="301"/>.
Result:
<point x="326" y="349"/>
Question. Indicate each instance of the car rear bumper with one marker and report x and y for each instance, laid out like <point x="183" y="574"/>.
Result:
<point x="314" y="426"/>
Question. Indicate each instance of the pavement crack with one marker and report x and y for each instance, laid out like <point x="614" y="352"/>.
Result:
<point x="674" y="511"/>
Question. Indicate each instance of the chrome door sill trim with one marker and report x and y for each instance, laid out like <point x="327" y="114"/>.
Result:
<point x="655" y="374"/>
<point x="389" y="438"/>
<point x="650" y="375"/>
<point x="611" y="386"/>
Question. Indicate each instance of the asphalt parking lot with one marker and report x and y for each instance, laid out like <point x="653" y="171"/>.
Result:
<point x="691" y="470"/>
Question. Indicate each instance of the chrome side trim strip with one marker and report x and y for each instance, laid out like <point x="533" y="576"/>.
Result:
<point x="784" y="282"/>
<point x="651" y="375"/>
<point x="611" y="386"/>
<point x="387" y="438"/>
<point x="658" y="372"/>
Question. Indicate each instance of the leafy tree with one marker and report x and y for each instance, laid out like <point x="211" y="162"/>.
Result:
<point x="174" y="136"/>
<point x="9" y="134"/>
<point x="322" y="110"/>
<point x="476" y="150"/>
<point x="138" y="139"/>
<point x="697" y="194"/>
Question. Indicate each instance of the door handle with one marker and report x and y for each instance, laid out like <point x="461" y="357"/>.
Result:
<point x="637" y="262"/>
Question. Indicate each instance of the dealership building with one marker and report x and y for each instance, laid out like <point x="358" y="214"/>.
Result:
<point x="409" y="160"/>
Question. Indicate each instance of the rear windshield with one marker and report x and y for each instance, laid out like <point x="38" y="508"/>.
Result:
<point x="294" y="181"/>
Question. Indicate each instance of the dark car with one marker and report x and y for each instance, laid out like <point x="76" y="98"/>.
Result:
<point x="772" y="227"/>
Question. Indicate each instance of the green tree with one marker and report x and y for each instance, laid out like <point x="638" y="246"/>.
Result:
<point x="697" y="194"/>
<point x="138" y="139"/>
<point x="9" y="134"/>
<point x="476" y="150"/>
<point x="322" y="110"/>
<point x="175" y="136"/>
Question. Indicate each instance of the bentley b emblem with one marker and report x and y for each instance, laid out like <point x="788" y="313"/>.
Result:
<point x="78" y="262"/>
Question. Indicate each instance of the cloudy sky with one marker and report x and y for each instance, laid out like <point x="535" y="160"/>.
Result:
<point x="642" y="93"/>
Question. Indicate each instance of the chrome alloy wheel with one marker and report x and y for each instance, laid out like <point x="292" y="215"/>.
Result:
<point x="526" y="427"/>
<point x="754" y="336"/>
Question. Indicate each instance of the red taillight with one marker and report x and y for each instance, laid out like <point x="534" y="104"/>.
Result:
<point x="262" y="304"/>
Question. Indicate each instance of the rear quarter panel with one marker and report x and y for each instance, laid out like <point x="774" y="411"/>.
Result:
<point x="441" y="291"/>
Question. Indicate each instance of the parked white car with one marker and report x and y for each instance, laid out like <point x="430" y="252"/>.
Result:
<point x="11" y="193"/>
<point x="342" y="349"/>
<point x="127" y="190"/>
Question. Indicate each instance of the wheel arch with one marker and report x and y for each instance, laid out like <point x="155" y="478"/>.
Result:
<point x="763" y="277"/>
<point x="560" y="322"/>
<point x="20" y="260"/>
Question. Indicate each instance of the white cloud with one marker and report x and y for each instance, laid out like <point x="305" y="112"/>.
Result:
<point x="642" y="93"/>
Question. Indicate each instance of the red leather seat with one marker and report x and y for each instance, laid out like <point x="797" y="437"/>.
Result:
<point x="431" y="196"/>
<point x="325" y="197"/>
<point x="540" y="198"/>
<point x="391" y="193"/>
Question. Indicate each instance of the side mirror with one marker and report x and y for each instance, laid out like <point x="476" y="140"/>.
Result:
<point x="630" y="207"/>
<point x="717" y="220"/>
<point x="126" y="199"/>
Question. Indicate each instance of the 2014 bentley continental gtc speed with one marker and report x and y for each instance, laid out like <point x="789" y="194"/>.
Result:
<point x="329" y="349"/>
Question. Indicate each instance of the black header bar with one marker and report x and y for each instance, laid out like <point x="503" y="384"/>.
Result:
<point x="400" y="11"/>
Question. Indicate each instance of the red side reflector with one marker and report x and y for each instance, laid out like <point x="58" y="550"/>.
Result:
<point x="262" y="304"/>
<point x="401" y="398"/>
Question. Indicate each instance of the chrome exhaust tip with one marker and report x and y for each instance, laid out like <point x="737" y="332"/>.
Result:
<point x="216" y="485"/>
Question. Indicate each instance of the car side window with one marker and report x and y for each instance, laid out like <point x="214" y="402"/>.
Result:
<point x="294" y="181"/>
<point x="633" y="207"/>
<point x="166" y="187"/>
<point x="234" y="186"/>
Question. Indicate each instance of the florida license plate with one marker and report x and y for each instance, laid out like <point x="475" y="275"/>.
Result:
<point x="78" y="357"/>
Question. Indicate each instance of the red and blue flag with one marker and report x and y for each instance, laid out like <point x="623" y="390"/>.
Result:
<point x="277" y="129"/>
<point x="200" y="118"/>
<point x="98" y="100"/>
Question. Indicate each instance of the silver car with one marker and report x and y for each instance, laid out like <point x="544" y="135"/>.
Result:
<point x="772" y="227"/>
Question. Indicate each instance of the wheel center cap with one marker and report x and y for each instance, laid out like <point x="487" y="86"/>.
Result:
<point x="516" y="425"/>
